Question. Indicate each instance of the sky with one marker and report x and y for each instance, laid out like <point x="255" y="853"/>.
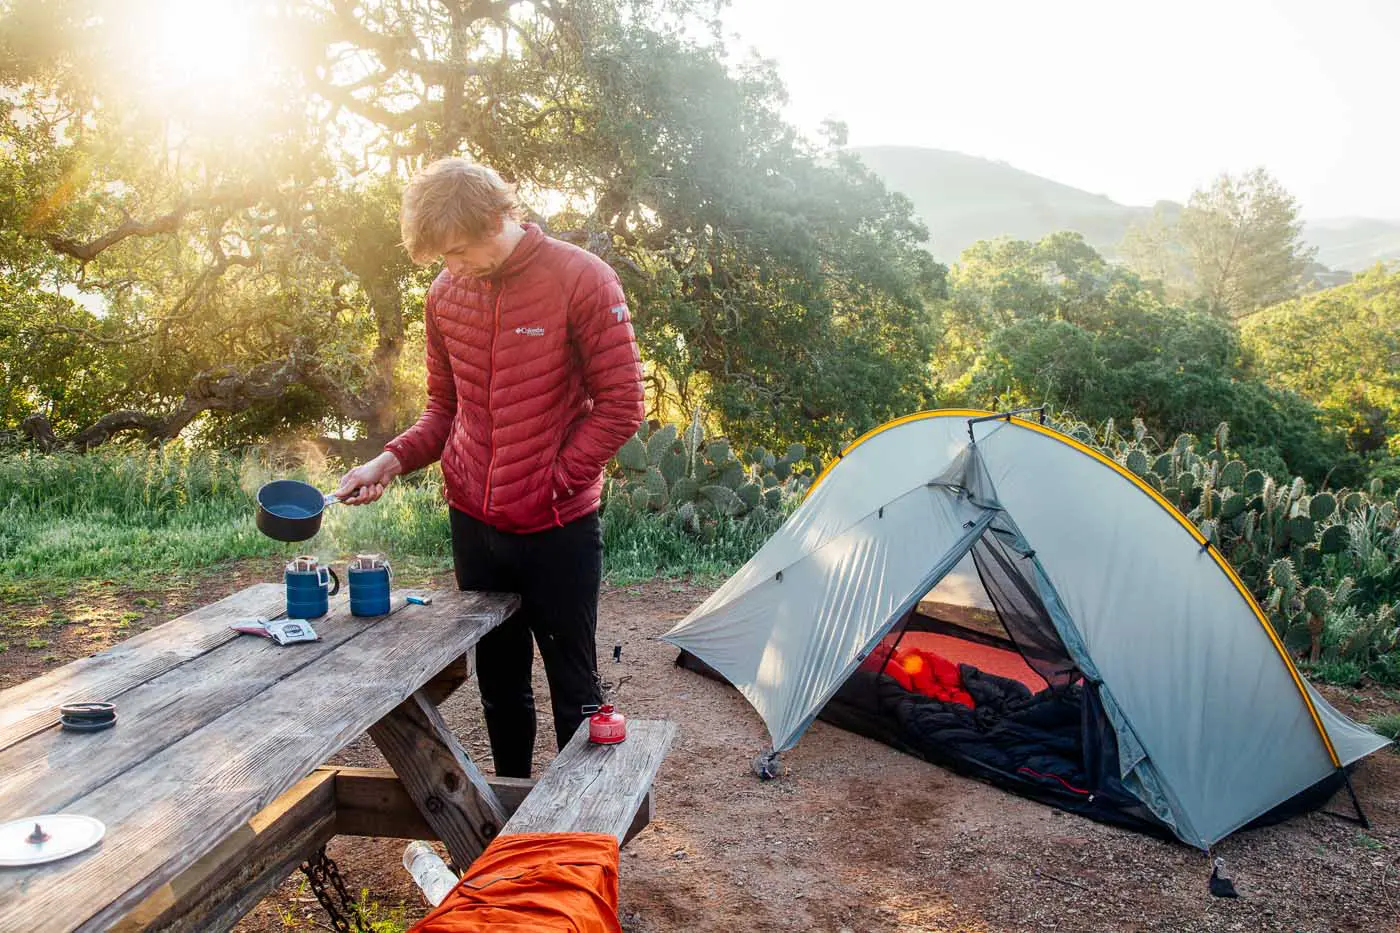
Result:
<point x="1139" y="100"/>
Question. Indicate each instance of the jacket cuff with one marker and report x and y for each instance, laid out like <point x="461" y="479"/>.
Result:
<point x="403" y="453"/>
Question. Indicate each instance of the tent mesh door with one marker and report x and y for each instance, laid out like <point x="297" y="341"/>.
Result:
<point x="1018" y="604"/>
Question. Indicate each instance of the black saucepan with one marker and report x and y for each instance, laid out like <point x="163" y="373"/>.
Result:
<point x="290" y="510"/>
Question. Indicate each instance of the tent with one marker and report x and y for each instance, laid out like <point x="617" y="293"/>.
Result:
<point x="1109" y="660"/>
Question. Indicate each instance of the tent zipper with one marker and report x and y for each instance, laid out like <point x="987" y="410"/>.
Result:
<point x="490" y="391"/>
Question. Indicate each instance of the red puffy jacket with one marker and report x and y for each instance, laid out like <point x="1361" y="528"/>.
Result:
<point x="534" y="382"/>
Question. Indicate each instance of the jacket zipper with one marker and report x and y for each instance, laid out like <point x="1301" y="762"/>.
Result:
<point x="490" y="418"/>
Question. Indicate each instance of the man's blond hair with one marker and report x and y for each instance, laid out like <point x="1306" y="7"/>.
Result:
<point x="452" y="200"/>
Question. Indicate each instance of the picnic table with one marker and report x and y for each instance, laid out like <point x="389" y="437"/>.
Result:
<point x="213" y="785"/>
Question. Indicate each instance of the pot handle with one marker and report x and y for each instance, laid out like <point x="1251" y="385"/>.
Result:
<point x="336" y="588"/>
<point x="331" y="498"/>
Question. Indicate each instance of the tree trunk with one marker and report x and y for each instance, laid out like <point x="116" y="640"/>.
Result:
<point x="387" y="302"/>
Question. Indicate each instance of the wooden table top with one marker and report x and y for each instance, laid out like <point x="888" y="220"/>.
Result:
<point x="211" y="727"/>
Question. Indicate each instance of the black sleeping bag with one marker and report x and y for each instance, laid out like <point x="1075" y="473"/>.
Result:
<point x="1034" y="736"/>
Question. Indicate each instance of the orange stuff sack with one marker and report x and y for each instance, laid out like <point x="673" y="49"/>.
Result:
<point x="534" y="883"/>
<point x="932" y="675"/>
<point x="896" y="670"/>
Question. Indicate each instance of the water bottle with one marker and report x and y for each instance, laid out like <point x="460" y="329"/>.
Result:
<point x="429" y="872"/>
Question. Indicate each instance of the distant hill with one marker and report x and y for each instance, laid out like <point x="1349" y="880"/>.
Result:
<point x="964" y="199"/>
<point x="1354" y="243"/>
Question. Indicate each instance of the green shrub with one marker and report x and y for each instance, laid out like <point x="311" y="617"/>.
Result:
<point x="1338" y="673"/>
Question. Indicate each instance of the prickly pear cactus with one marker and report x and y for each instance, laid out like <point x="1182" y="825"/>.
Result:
<point x="1247" y="528"/>
<point x="1222" y="436"/>
<point x="1281" y="573"/>
<point x="1232" y="475"/>
<point x="673" y="466"/>
<point x="658" y="489"/>
<point x="1310" y="558"/>
<point x="724" y="500"/>
<point x="750" y="494"/>
<point x="1289" y="544"/>
<point x="661" y="444"/>
<point x="1208" y="528"/>
<point x="633" y="455"/>
<point x="1300" y="529"/>
<point x="1316" y="600"/>
<point x="718" y="452"/>
<point x="678" y="470"/>
<point x="1334" y="539"/>
<point x="1322" y="507"/>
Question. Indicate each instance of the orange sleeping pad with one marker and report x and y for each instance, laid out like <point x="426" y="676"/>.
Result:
<point x="539" y="882"/>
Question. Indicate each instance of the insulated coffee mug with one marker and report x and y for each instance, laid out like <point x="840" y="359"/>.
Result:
<point x="370" y="581"/>
<point x="309" y="588"/>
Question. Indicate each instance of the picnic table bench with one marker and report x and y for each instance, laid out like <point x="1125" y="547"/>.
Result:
<point x="213" y="784"/>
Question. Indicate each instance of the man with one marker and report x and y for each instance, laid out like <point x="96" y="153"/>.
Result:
<point x="534" y="382"/>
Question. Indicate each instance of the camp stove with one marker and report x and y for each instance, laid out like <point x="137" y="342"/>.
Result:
<point x="606" y="726"/>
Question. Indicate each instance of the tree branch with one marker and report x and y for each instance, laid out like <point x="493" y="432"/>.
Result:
<point x="86" y="252"/>
<point x="53" y="330"/>
<point x="130" y="227"/>
<point x="219" y="267"/>
<point x="209" y="391"/>
<point x="393" y="121"/>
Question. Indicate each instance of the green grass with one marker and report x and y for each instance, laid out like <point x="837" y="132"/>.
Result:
<point x="128" y="515"/>
<point x="140" y="515"/>
<point x="640" y="546"/>
<point x="1387" y="725"/>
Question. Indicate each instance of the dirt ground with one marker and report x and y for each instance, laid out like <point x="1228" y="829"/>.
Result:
<point x="854" y="837"/>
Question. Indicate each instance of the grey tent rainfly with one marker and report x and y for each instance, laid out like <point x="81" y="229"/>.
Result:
<point x="1132" y="677"/>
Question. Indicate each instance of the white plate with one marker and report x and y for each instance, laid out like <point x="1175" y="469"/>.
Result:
<point x="69" y="834"/>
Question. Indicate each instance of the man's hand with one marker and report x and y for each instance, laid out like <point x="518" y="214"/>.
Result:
<point x="368" y="480"/>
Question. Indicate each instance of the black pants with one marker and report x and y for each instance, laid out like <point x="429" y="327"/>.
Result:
<point x="557" y="573"/>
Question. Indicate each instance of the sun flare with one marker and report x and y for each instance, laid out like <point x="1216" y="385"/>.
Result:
<point x="201" y="44"/>
<point x="205" y="56"/>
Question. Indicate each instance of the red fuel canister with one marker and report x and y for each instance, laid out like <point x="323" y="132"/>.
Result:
<point x="607" y="727"/>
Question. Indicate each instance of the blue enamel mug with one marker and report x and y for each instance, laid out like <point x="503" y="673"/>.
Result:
<point x="309" y="588"/>
<point x="371" y="579"/>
